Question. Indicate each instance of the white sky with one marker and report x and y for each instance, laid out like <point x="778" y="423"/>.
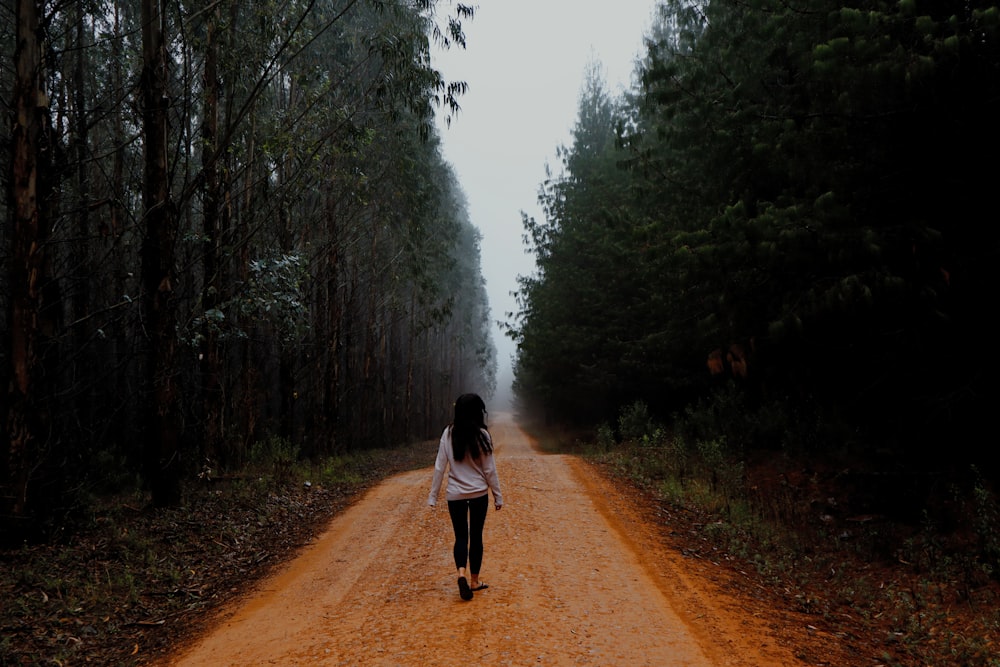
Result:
<point x="525" y="63"/>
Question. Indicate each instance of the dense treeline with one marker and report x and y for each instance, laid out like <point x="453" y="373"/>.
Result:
<point x="789" y="221"/>
<point x="229" y="223"/>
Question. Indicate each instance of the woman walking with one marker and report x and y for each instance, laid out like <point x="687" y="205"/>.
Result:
<point x="466" y="451"/>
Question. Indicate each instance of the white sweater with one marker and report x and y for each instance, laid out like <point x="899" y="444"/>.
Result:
<point x="468" y="478"/>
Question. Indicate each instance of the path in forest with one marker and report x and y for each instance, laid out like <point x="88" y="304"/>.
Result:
<point x="576" y="577"/>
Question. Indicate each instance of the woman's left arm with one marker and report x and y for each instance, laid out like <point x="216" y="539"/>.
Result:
<point x="440" y="463"/>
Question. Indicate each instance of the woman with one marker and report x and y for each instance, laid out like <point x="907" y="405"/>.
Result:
<point x="466" y="450"/>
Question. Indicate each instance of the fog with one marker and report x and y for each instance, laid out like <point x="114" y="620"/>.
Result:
<point x="525" y="64"/>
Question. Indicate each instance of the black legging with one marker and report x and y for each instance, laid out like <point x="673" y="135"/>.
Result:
<point x="468" y="518"/>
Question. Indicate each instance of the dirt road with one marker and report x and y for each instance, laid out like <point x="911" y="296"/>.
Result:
<point x="575" y="578"/>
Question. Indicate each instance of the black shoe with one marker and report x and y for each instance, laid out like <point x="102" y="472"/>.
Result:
<point x="463" y="589"/>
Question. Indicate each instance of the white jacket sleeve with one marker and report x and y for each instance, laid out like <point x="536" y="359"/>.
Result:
<point x="440" y="465"/>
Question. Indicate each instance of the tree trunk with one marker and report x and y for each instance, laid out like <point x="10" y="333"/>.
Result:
<point x="85" y="360"/>
<point x="28" y="266"/>
<point x="161" y="438"/>
<point x="330" y="377"/>
<point x="411" y="350"/>
<point x="211" y="360"/>
<point x="118" y="125"/>
<point x="369" y="391"/>
<point x="249" y="378"/>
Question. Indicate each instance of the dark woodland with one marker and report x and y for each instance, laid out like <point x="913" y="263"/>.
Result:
<point x="227" y="224"/>
<point x="791" y="221"/>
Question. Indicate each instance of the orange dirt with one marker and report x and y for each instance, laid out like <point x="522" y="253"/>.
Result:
<point x="578" y="574"/>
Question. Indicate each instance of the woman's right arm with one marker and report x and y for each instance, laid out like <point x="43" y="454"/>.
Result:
<point x="492" y="478"/>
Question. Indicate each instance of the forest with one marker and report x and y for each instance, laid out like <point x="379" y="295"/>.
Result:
<point x="233" y="255"/>
<point x="228" y="228"/>
<point x="783" y="239"/>
<point x="232" y="230"/>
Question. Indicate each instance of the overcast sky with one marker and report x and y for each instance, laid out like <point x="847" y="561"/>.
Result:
<point x="525" y="64"/>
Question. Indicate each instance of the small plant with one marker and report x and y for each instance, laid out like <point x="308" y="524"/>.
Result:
<point x="340" y="470"/>
<point x="634" y="423"/>
<point x="986" y="521"/>
<point x="279" y="454"/>
<point x="605" y="437"/>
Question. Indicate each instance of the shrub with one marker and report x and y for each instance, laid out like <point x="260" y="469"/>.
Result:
<point x="278" y="454"/>
<point x="634" y="423"/>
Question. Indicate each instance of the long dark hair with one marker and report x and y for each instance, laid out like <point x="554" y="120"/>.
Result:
<point x="467" y="436"/>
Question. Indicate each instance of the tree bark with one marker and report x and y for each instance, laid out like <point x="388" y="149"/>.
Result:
<point x="211" y="360"/>
<point x="27" y="262"/>
<point x="162" y="462"/>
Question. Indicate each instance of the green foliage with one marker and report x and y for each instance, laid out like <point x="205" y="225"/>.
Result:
<point x="275" y="294"/>
<point x="986" y="522"/>
<point x="342" y="469"/>
<point x="635" y="423"/>
<point x="276" y="454"/>
<point x="784" y="179"/>
<point x="323" y="272"/>
<point x="577" y="311"/>
<point x="605" y="437"/>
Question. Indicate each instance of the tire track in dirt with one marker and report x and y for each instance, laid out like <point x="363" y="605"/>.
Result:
<point x="575" y="578"/>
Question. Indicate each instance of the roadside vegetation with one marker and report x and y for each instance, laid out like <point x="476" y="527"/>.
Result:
<point x="902" y="568"/>
<point x="125" y="583"/>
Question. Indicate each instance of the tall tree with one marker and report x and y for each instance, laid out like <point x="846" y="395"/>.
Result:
<point x="30" y="316"/>
<point x="162" y="425"/>
<point x="211" y="204"/>
<point x="576" y="310"/>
